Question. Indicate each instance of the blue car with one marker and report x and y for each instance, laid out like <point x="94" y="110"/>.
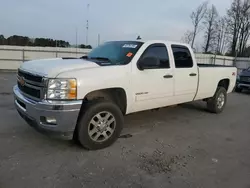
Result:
<point x="243" y="80"/>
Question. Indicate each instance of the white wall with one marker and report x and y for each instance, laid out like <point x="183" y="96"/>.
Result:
<point x="11" y="57"/>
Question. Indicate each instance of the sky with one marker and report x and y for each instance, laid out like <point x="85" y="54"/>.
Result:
<point x="112" y="19"/>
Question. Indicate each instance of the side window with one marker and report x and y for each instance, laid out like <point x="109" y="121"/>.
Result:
<point x="160" y="53"/>
<point x="182" y="57"/>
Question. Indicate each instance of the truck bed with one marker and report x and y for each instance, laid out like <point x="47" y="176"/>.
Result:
<point x="209" y="77"/>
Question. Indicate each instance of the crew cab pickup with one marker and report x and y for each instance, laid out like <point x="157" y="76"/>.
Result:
<point x="86" y="98"/>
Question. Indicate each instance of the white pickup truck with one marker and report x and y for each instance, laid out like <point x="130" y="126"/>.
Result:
<point x="86" y="98"/>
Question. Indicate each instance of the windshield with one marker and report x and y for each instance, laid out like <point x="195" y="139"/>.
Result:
<point x="115" y="53"/>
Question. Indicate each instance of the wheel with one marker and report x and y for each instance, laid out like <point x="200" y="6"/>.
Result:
<point x="238" y="90"/>
<point x="217" y="103"/>
<point x="100" y="125"/>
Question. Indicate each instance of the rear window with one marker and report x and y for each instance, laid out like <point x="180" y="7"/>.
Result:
<point x="182" y="56"/>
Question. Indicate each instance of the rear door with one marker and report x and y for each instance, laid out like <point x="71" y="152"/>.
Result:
<point x="154" y="87"/>
<point x="186" y="74"/>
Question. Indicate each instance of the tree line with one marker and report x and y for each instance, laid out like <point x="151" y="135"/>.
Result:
<point x="223" y="34"/>
<point x="16" y="40"/>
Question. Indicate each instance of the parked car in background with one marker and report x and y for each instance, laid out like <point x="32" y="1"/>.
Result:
<point x="243" y="80"/>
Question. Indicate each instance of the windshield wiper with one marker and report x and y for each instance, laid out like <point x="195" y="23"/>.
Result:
<point x="101" y="58"/>
<point x="107" y="60"/>
<point x="84" y="57"/>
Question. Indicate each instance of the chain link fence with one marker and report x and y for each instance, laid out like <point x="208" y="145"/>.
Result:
<point x="11" y="57"/>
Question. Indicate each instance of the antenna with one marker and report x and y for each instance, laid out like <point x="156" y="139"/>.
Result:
<point x="87" y="25"/>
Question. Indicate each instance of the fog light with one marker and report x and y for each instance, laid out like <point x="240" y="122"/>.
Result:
<point x="51" y="120"/>
<point x="48" y="120"/>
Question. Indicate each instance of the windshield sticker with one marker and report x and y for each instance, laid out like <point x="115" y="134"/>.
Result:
<point x="129" y="54"/>
<point x="129" y="46"/>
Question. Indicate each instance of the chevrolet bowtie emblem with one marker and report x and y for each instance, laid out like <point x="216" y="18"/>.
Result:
<point x="21" y="81"/>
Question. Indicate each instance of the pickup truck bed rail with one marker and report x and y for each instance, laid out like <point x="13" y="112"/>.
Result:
<point x="212" y="65"/>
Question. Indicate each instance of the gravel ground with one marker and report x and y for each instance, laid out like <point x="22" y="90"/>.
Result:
<point x="182" y="146"/>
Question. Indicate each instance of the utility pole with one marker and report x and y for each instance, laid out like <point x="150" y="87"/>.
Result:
<point x="56" y="49"/>
<point x="76" y="41"/>
<point x="87" y="25"/>
<point x="99" y="40"/>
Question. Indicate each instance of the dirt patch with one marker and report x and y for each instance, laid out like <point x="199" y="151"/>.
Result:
<point x="5" y="93"/>
<point x="126" y="136"/>
<point x="159" y="162"/>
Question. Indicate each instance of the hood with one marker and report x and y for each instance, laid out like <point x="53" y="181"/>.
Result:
<point x="245" y="73"/>
<point x="53" y="67"/>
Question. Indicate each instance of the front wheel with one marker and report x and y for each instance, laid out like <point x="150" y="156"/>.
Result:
<point x="100" y="125"/>
<point x="217" y="103"/>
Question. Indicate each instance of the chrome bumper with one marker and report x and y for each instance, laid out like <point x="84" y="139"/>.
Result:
<point x="243" y="86"/>
<point x="64" y="112"/>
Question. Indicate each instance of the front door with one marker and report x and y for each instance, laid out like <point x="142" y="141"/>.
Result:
<point x="154" y="87"/>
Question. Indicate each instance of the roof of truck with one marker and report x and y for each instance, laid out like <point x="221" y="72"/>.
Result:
<point x="166" y="41"/>
<point x="157" y="41"/>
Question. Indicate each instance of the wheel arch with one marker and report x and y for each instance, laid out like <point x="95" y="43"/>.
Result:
<point x="225" y="82"/>
<point x="117" y="95"/>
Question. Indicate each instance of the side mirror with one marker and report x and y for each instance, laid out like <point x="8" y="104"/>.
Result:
<point x="148" y="63"/>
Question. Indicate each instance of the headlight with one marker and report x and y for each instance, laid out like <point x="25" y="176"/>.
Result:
<point x="62" y="89"/>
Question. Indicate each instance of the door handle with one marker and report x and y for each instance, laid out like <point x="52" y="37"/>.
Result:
<point x="168" y="76"/>
<point x="192" y="74"/>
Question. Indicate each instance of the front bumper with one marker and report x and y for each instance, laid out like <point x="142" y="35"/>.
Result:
<point x="243" y="85"/>
<point x="34" y="113"/>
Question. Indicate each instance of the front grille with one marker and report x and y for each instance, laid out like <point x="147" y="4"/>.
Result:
<point x="30" y="91"/>
<point x="29" y="76"/>
<point x="30" y="85"/>
<point x="245" y="79"/>
<point x="242" y="82"/>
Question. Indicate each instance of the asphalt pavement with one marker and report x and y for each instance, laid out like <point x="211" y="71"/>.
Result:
<point x="181" y="146"/>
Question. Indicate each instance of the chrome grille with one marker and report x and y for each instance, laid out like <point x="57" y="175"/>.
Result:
<point x="31" y="85"/>
<point x="245" y="79"/>
<point x="30" y="77"/>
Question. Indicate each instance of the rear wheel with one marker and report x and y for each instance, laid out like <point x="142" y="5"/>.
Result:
<point x="100" y="125"/>
<point x="217" y="103"/>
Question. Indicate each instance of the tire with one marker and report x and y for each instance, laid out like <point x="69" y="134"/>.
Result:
<point x="238" y="90"/>
<point x="96" y="111"/>
<point x="215" y="104"/>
